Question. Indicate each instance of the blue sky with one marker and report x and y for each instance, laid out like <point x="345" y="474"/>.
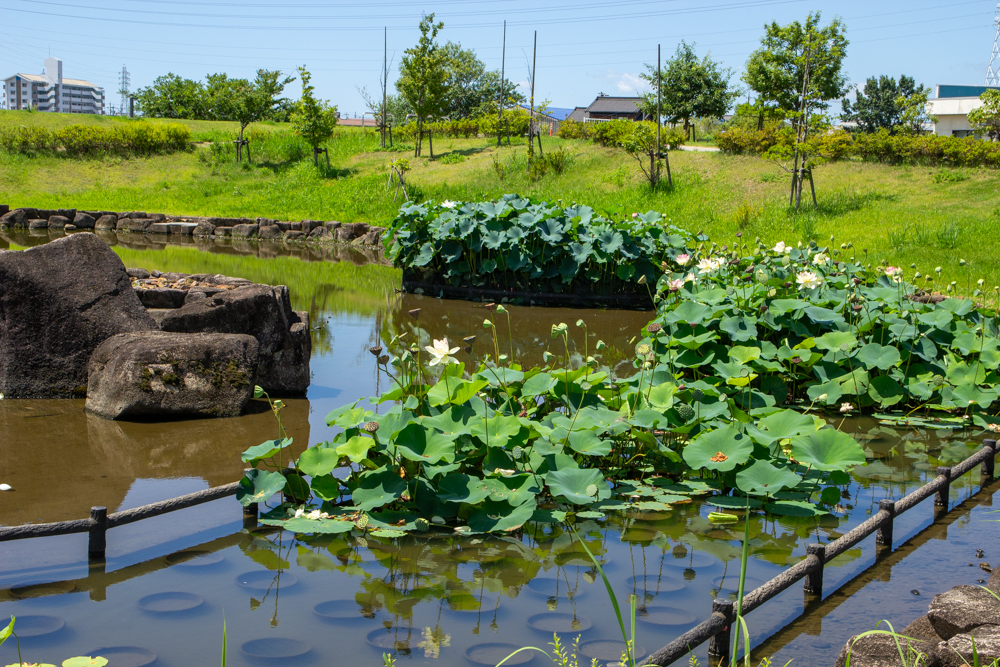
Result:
<point x="584" y="47"/>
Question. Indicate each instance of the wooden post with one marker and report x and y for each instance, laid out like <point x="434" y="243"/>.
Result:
<point x="430" y="141"/>
<point x="250" y="516"/>
<point x="658" y="117"/>
<point x="884" y="535"/>
<point x="719" y="645"/>
<point x="941" y="498"/>
<point x="812" y="186"/>
<point x="986" y="470"/>
<point x="326" y="152"/>
<point x="814" y="580"/>
<point x="98" y="542"/>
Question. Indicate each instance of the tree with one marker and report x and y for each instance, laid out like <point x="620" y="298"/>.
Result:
<point x="170" y="96"/>
<point x="878" y="106"/>
<point x="777" y="70"/>
<point x="986" y="119"/>
<point x="313" y="119"/>
<point x="799" y="69"/>
<point x="423" y="76"/>
<point x="913" y="115"/>
<point x="246" y="101"/>
<point x="689" y="88"/>
<point x="472" y="89"/>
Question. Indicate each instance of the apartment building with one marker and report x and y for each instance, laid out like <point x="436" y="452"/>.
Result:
<point x="51" y="92"/>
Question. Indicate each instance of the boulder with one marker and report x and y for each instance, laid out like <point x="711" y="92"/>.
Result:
<point x="4" y="209"/>
<point x="58" y="222"/>
<point x="264" y="312"/>
<point x="372" y="238"/>
<point x="204" y="228"/>
<point x="361" y="228"/>
<point x="15" y="218"/>
<point x="294" y="235"/>
<point x="158" y="374"/>
<point x="39" y="224"/>
<point x="245" y="231"/>
<point x="994" y="581"/>
<point x="137" y="215"/>
<point x="270" y="232"/>
<point x="223" y="231"/>
<point x="70" y="228"/>
<point x="345" y="232"/>
<point x="161" y="297"/>
<point x="158" y="217"/>
<point x="83" y="221"/>
<point x="106" y="222"/>
<point x="957" y="651"/>
<point x="961" y="609"/>
<point x="68" y="213"/>
<point x="58" y="302"/>
<point x="332" y="225"/>
<point x="921" y="629"/>
<point x="320" y="234"/>
<point x="284" y="226"/>
<point x="133" y="224"/>
<point x="881" y="651"/>
<point x="139" y="274"/>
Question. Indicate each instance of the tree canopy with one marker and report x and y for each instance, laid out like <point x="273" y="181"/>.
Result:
<point x="313" y="119"/>
<point x="689" y="87"/>
<point x="171" y="96"/>
<point x="423" y="73"/>
<point x="986" y="119"/>
<point x="881" y="104"/>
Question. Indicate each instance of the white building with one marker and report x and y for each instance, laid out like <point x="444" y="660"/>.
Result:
<point x="952" y="106"/>
<point x="51" y="92"/>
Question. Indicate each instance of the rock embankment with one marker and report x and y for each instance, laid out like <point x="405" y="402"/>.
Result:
<point x="357" y="233"/>
<point x="956" y="620"/>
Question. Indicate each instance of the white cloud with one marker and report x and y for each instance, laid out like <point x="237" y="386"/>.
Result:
<point x="628" y="84"/>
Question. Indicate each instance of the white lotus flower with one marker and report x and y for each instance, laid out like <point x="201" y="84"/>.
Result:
<point x="808" y="280"/>
<point x="846" y="407"/>
<point x="689" y="278"/>
<point x="821" y="259"/>
<point x="683" y="259"/>
<point x="709" y="264"/>
<point x="782" y="248"/>
<point x="441" y="352"/>
<point x="447" y="203"/>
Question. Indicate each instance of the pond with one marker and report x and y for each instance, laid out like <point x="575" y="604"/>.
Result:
<point x="169" y="582"/>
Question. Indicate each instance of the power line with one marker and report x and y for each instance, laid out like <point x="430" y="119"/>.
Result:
<point x="993" y="69"/>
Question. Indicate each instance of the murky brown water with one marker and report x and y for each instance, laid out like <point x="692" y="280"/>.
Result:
<point x="429" y="600"/>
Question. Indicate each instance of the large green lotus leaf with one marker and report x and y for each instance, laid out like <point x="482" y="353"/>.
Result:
<point x="265" y="450"/>
<point x="377" y="488"/>
<point x="326" y="487"/>
<point x="939" y="317"/>
<point x="781" y="425"/>
<point x="318" y="461"/>
<point x="462" y="488"/>
<point x="454" y="390"/>
<point x="304" y="525"/>
<point x="840" y="341"/>
<point x="732" y="502"/>
<point x="832" y="390"/>
<point x="726" y="445"/>
<point x="497" y="430"/>
<point x="874" y="355"/>
<point x="426" y="445"/>
<point x="589" y="443"/>
<point x="259" y="485"/>
<point x="960" y="373"/>
<point x="500" y="516"/>
<point x="356" y="449"/>
<point x="452" y="421"/>
<point x="537" y="385"/>
<point x="739" y="328"/>
<point x="662" y="395"/>
<point x="764" y="478"/>
<point x="580" y="486"/>
<point x="346" y="416"/>
<point x="969" y="394"/>
<point x="794" y="508"/>
<point x="691" y="312"/>
<point x="827" y="449"/>
<point x="515" y="489"/>
<point x="885" y="391"/>
<point x="744" y="355"/>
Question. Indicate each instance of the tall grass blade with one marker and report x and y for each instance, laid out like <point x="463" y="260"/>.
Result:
<point x="614" y="600"/>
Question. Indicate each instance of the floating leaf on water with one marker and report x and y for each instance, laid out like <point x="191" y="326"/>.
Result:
<point x="721" y="517"/>
<point x="386" y="532"/>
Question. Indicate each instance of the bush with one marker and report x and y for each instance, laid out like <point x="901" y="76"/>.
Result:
<point x="121" y="139"/>
<point x="621" y="131"/>
<point x="518" y="119"/>
<point x="743" y="141"/>
<point x="574" y="129"/>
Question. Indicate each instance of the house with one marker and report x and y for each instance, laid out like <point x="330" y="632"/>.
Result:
<point x="549" y="121"/>
<point x="606" y="107"/>
<point x="51" y="92"/>
<point x="952" y="106"/>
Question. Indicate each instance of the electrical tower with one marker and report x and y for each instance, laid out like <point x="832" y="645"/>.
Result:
<point x="123" y="82"/>
<point x="993" y="69"/>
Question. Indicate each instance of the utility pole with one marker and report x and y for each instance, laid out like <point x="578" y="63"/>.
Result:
<point x="123" y="86"/>
<point x="503" y="63"/>
<point x="531" y="115"/>
<point x="658" y="114"/>
<point x="385" y="84"/>
<point x="993" y="69"/>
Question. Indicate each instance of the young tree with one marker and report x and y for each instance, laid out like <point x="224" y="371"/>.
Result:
<point x="913" y="115"/>
<point x="777" y="70"/>
<point x="246" y="101"/>
<point x="799" y="69"/>
<point x="423" y="76"/>
<point x="170" y="96"/>
<point x="472" y="89"/>
<point x="877" y="106"/>
<point x="313" y="119"/>
<point x="689" y="88"/>
<point x="986" y="119"/>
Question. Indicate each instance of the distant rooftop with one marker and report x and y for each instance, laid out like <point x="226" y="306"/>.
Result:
<point x="608" y="104"/>
<point x="951" y="90"/>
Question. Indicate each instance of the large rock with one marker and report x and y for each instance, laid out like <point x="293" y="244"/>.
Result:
<point x="957" y="651"/>
<point x="921" y="629"/>
<point x="58" y="222"/>
<point x="961" y="609"/>
<point x="245" y="231"/>
<point x="106" y="222"/>
<point x="994" y="582"/>
<point x="264" y="312"/>
<point x="16" y="218"/>
<point x="161" y="297"/>
<point x="84" y="221"/>
<point x="204" y="228"/>
<point x="320" y="234"/>
<point x="58" y="302"/>
<point x="270" y="232"/>
<point x="158" y="374"/>
<point x="882" y="651"/>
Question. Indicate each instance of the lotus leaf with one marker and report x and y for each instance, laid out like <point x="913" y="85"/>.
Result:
<point x="265" y="450"/>
<point x="874" y="355"/>
<point x="355" y="449"/>
<point x="257" y="486"/>
<point x="377" y="488"/>
<point x="320" y="460"/>
<point x="495" y="516"/>
<point x="84" y="661"/>
<point x="827" y="449"/>
<point x="462" y="488"/>
<point x="579" y="486"/>
<point x="764" y="478"/>
<point x="304" y="525"/>
<point x="722" y="449"/>
<point x="794" y="508"/>
<point x="426" y="445"/>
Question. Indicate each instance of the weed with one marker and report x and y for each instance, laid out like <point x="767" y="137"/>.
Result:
<point x="452" y="158"/>
<point x="618" y="176"/>
<point x="746" y="213"/>
<point x="947" y="236"/>
<point x="950" y="176"/>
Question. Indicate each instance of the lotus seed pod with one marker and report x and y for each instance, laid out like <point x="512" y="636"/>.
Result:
<point x="384" y="359"/>
<point x="517" y="452"/>
<point x="361" y="521"/>
<point x="697" y="394"/>
<point x="371" y="427"/>
<point x="592" y="490"/>
<point x="685" y="411"/>
<point x="653" y="327"/>
<point x="376" y="351"/>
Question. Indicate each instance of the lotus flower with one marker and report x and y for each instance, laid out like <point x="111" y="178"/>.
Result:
<point x="675" y="285"/>
<point x="442" y="353"/>
<point x="821" y="259"/>
<point x="782" y="248"/>
<point x="447" y="203"/>
<point x="808" y="280"/>
<point x="683" y="259"/>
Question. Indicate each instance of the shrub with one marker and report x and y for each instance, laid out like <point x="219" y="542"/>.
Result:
<point x="518" y="119"/>
<point x="574" y="129"/>
<point x="120" y="139"/>
<point x="744" y="141"/>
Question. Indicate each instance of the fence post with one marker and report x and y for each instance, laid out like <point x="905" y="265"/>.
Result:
<point x="98" y="543"/>
<point x="884" y="535"/>
<point x="942" y="494"/>
<point x="250" y="516"/>
<point x="986" y="471"/>
<point x="719" y="644"/>
<point x="814" y="580"/>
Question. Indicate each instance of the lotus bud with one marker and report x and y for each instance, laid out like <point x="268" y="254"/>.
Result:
<point x="642" y="279"/>
<point x="961" y="262"/>
<point x="937" y="269"/>
<point x="501" y="309"/>
<point x="580" y="323"/>
<point x="487" y="324"/>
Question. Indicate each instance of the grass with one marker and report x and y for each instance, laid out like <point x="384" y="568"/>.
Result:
<point x="902" y="215"/>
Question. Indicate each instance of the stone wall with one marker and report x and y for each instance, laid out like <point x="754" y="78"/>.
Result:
<point x="301" y="231"/>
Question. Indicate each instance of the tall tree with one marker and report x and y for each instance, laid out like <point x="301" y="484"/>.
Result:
<point x="313" y="119"/>
<point x="914" y="116"/>
<point x="986" y="119"/>
<point x="777" y="70"/>
<point x="171" y="96"/>
<point x="247" y="101"/>
<point x="423" y="76"/>
<point x="474" y="90"/>
<point x="689" y="88"/>
<point x="878" y="105"/>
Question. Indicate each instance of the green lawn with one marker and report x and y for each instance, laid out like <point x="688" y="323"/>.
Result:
<point x="903" y="215"/>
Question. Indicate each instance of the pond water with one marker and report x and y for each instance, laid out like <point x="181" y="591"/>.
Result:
<point x="168" y="582"/>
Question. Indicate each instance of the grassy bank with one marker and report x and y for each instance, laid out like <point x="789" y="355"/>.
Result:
<point x="903" y="215"/>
